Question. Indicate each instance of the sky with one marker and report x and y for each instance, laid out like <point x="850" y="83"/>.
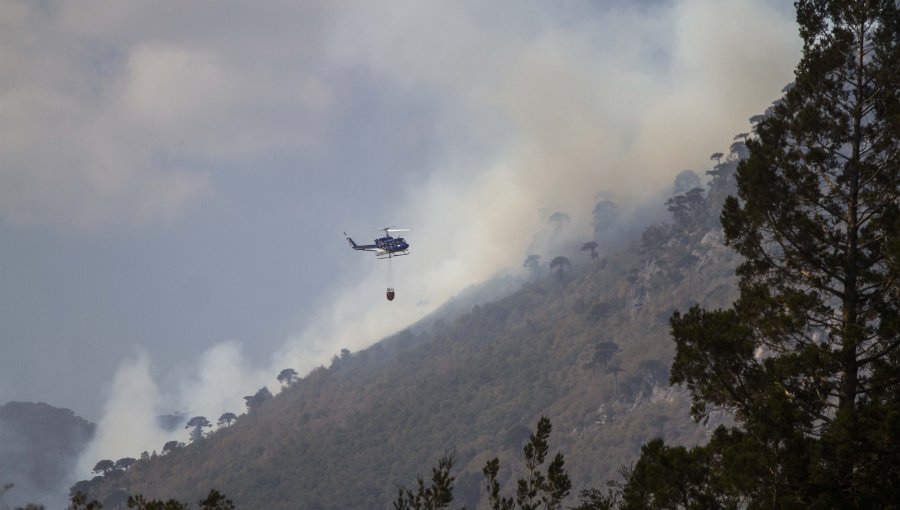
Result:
<point x="175" y="177"/>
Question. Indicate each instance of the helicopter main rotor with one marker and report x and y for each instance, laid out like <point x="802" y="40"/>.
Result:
<point x="388" y="230"/>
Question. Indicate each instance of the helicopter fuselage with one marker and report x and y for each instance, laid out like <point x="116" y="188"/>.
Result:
<point x="384" y="247"/>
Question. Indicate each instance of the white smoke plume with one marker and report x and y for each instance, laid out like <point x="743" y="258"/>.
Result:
<point x="535" y="106"/>
<point x="616" y="100"/>
<point x="129" y="424"/>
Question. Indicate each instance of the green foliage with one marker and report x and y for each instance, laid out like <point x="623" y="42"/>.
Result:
<point x="197" y="424"/>
<point x="686" y="180"/>
<point x="808" y="358"/>
<point x="172" y="446"/>
<point x="216" y="501"/>
<point x="226" y="419"/>
<point x="688" y="208"/>
<point x="288" y="376"/>
<point x="536" y="490"/>
<point x="654" y="238"/>
<point x="495" y="499"/>
<point x="125" y="463"/>
<point x="560" y="263"/>
<point x="676" y="477"/>
<point x="80" y="501"/>
<point x="439" y="494"/>
<point x="104" y="466"/>
<point x="141" y="503"/>
<point x="595" y="499"/>
<point x="254" y="401"/>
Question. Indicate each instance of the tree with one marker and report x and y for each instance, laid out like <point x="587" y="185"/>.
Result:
<point x="808" y="358"/>
<point x="125" y="463"/>
<point x="254" y="401"/>
<point x="738" y="150"/>
<point x="439" y="494"/>
<point x="684" y="181"/>
<point x="603" y="352"/>
<point x="654" y="238"/>
<point x="560" y="263"/>
<point x="687" y="208"/>
<point x="80" y="501"/>
<point x="226" y="419"/>
<point x="684" y="474"/>
<point x="197" y="424"/>
<point x="288" y="377"/>
<point x="537" y="489"/>
<point x="532" y="262"/>
<point x="104" y="466"/>
<point x="141" y="503"/>
<point x="592" y="246"/>
<point x="116" y="498"/>
<point x="172" y="446"/>
<point x="716" y="156"/>
<point x="216" y="501"/>
<point x="614" y="369"/>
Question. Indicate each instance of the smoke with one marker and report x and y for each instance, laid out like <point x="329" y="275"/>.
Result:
<point x="533" y="107"/>
<point x="222" y="377"/>
<point x="550" y="108"/>
<point x="129" y="423"/>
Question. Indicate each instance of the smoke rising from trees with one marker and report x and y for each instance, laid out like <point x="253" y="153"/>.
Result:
<point x="537" y="113"/>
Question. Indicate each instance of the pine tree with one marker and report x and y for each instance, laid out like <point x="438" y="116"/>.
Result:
<point x="808" y="358"/>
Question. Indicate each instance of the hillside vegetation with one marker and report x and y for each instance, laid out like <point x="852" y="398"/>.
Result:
<point x="39" y="445"/>
<point x="586" y="344"/>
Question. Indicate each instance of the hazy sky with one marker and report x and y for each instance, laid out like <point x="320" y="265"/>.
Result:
<point x="175" y="176"/>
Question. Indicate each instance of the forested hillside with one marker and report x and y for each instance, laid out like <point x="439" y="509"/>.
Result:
<point x="39" y="445"/>
<point x="585" y="343"/>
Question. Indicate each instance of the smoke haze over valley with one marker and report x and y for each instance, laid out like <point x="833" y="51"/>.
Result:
<point x="174" y="187"/>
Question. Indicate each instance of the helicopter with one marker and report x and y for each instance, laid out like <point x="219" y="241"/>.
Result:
<point x="384" y="247"/>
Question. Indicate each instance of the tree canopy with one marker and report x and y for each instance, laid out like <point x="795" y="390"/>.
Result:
<point x="808" y="358"/>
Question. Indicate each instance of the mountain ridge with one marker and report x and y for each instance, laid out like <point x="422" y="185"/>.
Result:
<point x="39" y="445"/>
<point x="345" y="436"/>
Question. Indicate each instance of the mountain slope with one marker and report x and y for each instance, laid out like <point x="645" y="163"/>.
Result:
<point x="345" y="436"/>
<point x="39" y="445"/>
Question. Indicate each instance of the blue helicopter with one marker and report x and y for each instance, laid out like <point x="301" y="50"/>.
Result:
<point x="384" y="247"/>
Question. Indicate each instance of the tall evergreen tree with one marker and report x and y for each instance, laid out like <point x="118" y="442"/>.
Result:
<point x="808" y="358"/>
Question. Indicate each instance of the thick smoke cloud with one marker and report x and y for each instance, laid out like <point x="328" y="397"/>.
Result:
<point x="557" y="107"/>
<point x="528" y="107"/>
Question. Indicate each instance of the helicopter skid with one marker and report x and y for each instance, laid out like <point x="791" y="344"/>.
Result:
<point x="389" y="255"/>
